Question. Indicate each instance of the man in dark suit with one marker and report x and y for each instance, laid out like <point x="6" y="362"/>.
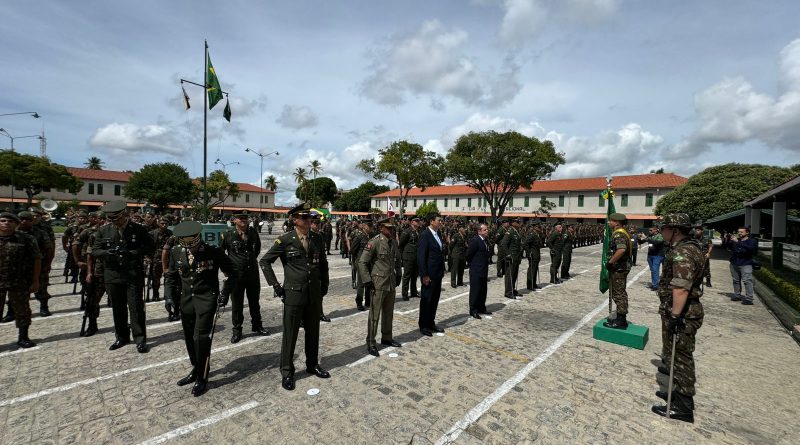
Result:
<point x="478" y="260"/>
<point x="430" y="262"/>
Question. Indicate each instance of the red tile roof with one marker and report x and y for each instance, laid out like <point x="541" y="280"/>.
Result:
<point x="118" y="176"/>
<point x="648" y="181"/>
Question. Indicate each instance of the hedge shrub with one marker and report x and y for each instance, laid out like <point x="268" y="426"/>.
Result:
<point x="784" y="287"/>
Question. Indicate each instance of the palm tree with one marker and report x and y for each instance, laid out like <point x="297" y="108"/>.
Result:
<point x="300" y="176"/>
<point x="271" y="182"/>
<point x="315" y="167"/>
<point x="94" y="163"/>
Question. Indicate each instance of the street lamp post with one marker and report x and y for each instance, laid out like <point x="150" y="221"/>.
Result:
<point x="224" y="164"/>
<point x="261" y="178"/>
<point x="8" y="135"/>
<point x="33" y="114"/>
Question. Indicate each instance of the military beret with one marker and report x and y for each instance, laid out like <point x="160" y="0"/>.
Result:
<point x="187" y="229"/>
<point x="387" y="222"/>
<point x="163" y="218"/>
<point x="112" y="209"/>
<point x="618" y="217"/>
<point x="9" y="215"/>
<point x="38" y="210"/>
<point x="416" y="219"/>
<point x="301" y="209"/>
<point x="24" y="215"/>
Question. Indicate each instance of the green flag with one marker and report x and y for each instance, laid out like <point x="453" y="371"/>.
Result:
<point x="608" y="195"/>
<point x="212" y="84"/>
<point x="226" y="113"/>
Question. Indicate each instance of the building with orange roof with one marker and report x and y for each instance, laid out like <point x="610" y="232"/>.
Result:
<point x="574" y="200"/>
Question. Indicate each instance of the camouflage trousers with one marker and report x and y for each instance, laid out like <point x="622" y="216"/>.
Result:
<point x="19" y="303"/>
<point x="619" y="293"/>
<point x="683" y="379"/>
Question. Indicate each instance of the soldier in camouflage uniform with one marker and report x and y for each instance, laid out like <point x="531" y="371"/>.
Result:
<point x="533" y="245"/>
<point x="682" y="312"/>
<point x="708" y="246"/>
<point x="155" y="267"/>
<point x="497" y="238"/>
<point x="618" y="266"/>
<point x="512" y="247"/>
<point x="458" y="247"/>
<point x="555" y="241"/>
<point x="20" y="264"/>
<point x="379" y="270"/>
<point x="47" y="246"/>
<point x="70" y="235"/>
<point x="359" y="240"/>
<point x="91" y="272"/>
<point x="28" y="226"/>
<point x="568" y="239"/>
<point x="408" y="247"/>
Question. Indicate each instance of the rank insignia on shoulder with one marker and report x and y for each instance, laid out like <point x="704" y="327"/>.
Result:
<point x="278" y="241"/>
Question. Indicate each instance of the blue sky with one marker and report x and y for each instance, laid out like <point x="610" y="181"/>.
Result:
<point x="620" y="86"/>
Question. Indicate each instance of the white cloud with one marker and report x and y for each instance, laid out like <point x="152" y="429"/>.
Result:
<point x="524" y="19"/>
<point x="124" y="138"/>
<point x="732" y="112"/>
<point x="484" y="122"/>
<point x="297" y="117"/>
<point x="431" y="62"/>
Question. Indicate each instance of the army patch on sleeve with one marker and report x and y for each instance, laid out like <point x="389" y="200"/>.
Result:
<point x="278" y="241"/>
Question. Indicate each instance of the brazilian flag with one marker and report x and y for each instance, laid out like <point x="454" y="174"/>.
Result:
<point x="212" y="84"/>
<point x="608" y="195"/>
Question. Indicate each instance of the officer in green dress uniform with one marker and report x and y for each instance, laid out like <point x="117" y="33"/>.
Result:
<point x="122" y="246"/>
<point x="357" y="244"/>
<point x="458" y="248"/>
<point x="534" y="244"/>
<point x="302" y="253"/>
<point x="568" y="239"/>
<point x="408" y="247"/>
<point x="196" y="265"/>
<point x="512" y="248"/>
<point x="555" y="241"/>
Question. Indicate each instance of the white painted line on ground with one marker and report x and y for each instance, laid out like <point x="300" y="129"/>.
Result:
<point x="480" y="409"/>
<point x="370" y="357"/>
<point x="18" y="351"/>
<point x="440" y="302"/>
<point x="186" y="429"/>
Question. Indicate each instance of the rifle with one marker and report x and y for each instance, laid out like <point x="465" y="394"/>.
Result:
<point x="671" y="373"/>
<point x="149" y="282"/>
<point x="85" y="311"/>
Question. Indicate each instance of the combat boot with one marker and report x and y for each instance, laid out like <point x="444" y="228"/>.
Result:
<point x="44" y="311"/>
<point x="708" y="282"/>
<point x="236" y="335"/>
<point x="92" y="329"/>
<point x="618" y="323"/>
<point x="23" y="341"/>
<point x="9" y="316"/>
<point x="682" y="408"/>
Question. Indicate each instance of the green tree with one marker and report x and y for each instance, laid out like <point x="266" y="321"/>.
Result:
<point x="359" y="198"/>
<point x="315" y="168"/>
<point x="317" y="191"/>
<point x="35" y="173"/>
<point x="499" y="164"/>
<point x="406" y="164"/>
<point x="94" y="163"/>
<point x="722" y="189"/>
<point x="271" y="183"/>
<point x="545" y="206"/>
<point x="161" y="184"/>
<point x="426" y="209"/>
<point x="219" y="187"/>
<point x="300" y="177"/>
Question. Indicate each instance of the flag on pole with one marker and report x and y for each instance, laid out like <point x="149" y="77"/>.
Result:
<point x="185" y="97"/>
<point x="608" y="195"/>
<point x="226" y="113"/>
<point x="212" y="85"/>
<point x="389" y="208"/>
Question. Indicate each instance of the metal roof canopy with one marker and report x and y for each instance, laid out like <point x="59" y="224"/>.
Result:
<point x="789" y="192"/>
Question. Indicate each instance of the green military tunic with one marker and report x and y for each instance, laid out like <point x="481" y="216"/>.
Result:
<point x="567" y="240"/>
<point x="408" y="245"/>
<point x="512" y="248"/>
<point x="357" y="243"/>
<point x="243" y="249"/>
<point x="380" y="264"/>
<point x="458" y="248"/>
<point x="533" y="245"/>
<point x="555" y="241"/>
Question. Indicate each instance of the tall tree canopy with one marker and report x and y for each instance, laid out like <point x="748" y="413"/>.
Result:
<point x="408" y="165"/>
<point x="35" y="173"/>
<point x="499" y="164"/>
<point x="722" y="189"/>
<point x="161" y="184"/>
<point x="317" y="191"/>
<point x="219" y="187"/>
<point x="94" y="163"/>
<point x="359" y="199"/>
<point x="271" y="183"/>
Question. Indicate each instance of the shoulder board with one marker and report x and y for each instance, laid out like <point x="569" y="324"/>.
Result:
<point x="278" y="241"/>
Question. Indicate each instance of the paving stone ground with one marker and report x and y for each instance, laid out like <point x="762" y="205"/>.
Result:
<point x="519" y="377"/>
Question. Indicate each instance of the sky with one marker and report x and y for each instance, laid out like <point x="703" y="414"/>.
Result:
<point x="619" y="86"/>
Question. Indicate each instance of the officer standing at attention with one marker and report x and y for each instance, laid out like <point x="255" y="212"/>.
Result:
<point x="160" y="236"/>
<point x="680" y="286"/>
<point x="20" y="264"/>
<point x="458" y="247"/>
<point x="305" y="268"/>
<point x="47" y="247"/>
<point x="408" y="245"/>
<point x="555" y="241"/>
<point x="534" y="244"/>
<point x="512" y="247"/>
<point x="568" y="238"/>
<point x="243" y="245"/>
<point x="361" y="236"/>
<point x="618" y="266"/>
<point x="381" y="256"/>
<point x="197" y="265"/>
<point x="708" y="246"/>
<point x="498" y="238"/>
<point x="122" y="246"/>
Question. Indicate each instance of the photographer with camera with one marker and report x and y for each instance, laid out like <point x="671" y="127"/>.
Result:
<point x="743" y="251"/>
<point x="122" y="246"/>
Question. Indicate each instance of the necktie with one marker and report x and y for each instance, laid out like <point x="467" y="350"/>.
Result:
<point x="304" y="242"/>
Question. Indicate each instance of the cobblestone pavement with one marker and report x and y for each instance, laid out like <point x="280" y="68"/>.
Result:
<point x="530" y="373"/>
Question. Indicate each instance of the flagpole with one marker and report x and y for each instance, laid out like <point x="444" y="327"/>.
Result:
<point x="205" y="133"/>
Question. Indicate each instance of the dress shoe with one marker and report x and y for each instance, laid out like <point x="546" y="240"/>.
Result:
<point x="23" y="341"/>
<point x="319" y="372"/>
<point x="118" y="344"/>
<point x="426" y="332"/>
<point x="361" y="307"/>
<point x="405" y="298"/>
<point x="517" y="294"/>
<point x="142" y="348"/>
<point x="236" y="337"/>
<point x="200" y="387"/>
<point x="324" y="318"/>
<point x="736" y="298"/>
<point x="8" y="318"/>
<point x="747" y="302"/>
<point x="475" y="316"/>
<point x="437" y="329"/>
<point x="44" y="312"/>
<point x="92" y="329"/>
<point x="394" y="343"/>
<point x="373" y="350"/>
<point x="288" y="383"/>
<point x="484" y="312"/>
<point x="511" y="297"/>
<point x="260" y="331"/>
<point x="684" y="415"/>
<point x="191" y="378"/>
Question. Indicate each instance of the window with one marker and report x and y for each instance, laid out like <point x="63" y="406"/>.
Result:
<point x="624" y="200"/>
<point x="527" y="201"/>
<point x="648" y="200"/>
<point x="445" y="202"/>
<point x="247" y="197"/>
<point x="117" y="190"/>
<point x="99" y="189"/>
<point x="234" y="198"/>
<point x="580" y="200"/>
<point x="561" y="200"/>
<point x="424" y="201"/>
<point x="601" y="202"/>
<point x="511" y="201"/>
<point x="457" y="203"/>
<point x="469" y="202"/>
<point x="266" y="199"/>
<point x="91" y="189"/>
<point x="415" y="202"/>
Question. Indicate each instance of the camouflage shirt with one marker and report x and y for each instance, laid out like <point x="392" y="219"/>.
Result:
<point x="18" y="252"/>
<point x="621" y="240"/>
<point x="683" y="268"/>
